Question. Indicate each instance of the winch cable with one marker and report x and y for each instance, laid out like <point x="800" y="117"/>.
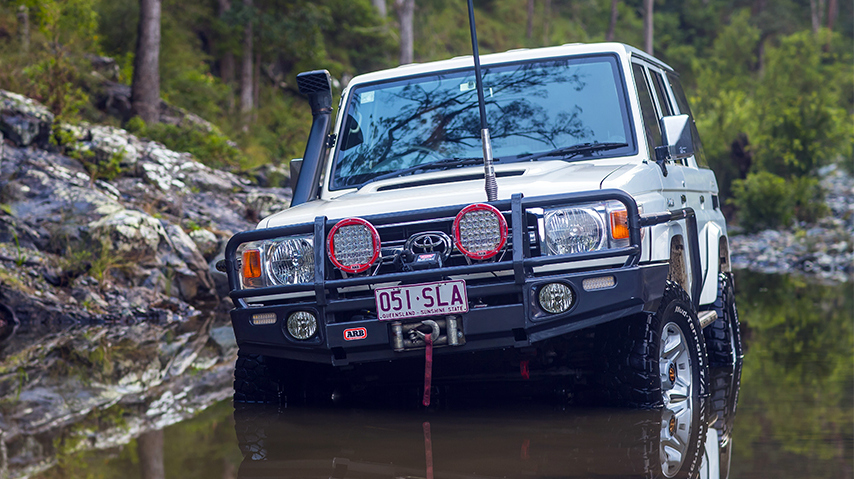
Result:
<point x="428" y="368"/>
<point x="428" y="449"/>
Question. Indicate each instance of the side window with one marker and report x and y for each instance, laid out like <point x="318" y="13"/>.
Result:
<point x="682" y="103"/>
<point x="661" y="93"/>
<point x="650" y="117"/>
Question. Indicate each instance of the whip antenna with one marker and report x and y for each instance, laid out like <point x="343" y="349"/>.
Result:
<point x="488" y="171"/>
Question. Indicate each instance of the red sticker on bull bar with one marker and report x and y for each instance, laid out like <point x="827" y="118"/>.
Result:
<point x="354" y="334"/>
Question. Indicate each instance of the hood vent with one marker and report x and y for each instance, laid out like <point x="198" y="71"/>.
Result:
<point x="451" y="179"/>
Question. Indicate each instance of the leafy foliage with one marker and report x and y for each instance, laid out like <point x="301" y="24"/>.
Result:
<point x="769" y="94"/>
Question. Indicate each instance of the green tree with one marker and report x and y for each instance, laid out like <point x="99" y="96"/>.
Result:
<point x="801" y="122"/>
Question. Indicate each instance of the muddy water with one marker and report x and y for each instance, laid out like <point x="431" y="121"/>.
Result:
<point x="794" y="418"/>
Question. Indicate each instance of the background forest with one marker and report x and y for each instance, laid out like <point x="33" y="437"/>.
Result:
<point x="771" y="81"/>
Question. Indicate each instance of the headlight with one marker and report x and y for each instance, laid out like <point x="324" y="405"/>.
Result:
<point x="291" y="260"/>
<point x="573" y="230"/>
<point x="277" y="261"/>
<point x="584" y="228"/>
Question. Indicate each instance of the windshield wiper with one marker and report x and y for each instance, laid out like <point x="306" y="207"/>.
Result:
<point x="567" y="152"/>
<point x="433" y="165"/>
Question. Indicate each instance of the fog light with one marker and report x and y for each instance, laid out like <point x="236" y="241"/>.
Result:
<point x="602" y="282"/>
<point x="263" y="318"/>
<point x="556" y="298"/>
<point x="302" y="325"/>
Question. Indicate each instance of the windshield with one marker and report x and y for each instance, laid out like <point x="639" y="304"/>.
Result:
<point x="531" y="108"/>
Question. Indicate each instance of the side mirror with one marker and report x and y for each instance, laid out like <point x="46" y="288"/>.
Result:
<point x="296" y="166"/>
<point x="677" y="138"/>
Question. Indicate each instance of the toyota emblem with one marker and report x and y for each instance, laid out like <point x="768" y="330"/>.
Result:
<point x="430" y="242"/>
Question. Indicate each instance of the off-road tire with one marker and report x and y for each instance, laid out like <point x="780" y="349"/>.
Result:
<point x="725" y="385"/>
<point x="631" y="351"/>
<point x="723" y="337"/>
<point x="257" y="379"/>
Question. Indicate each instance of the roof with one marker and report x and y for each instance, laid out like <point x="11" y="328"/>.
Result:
<point x="521" y="54"/>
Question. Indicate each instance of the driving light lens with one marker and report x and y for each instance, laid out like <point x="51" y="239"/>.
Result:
<point x="480" y="231"/>
<point x="353" y="245"/>
<point x="302" y="325"/>
<point x="573" y="230"/>
<point x="291" y="260"/>
<point x="556" y="298"/>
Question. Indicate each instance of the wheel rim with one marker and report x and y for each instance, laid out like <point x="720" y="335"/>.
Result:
<point x="677" y="387"/>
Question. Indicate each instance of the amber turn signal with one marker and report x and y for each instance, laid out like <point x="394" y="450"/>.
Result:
<point x="252" y="264"/>
<point x="619" y="224"/>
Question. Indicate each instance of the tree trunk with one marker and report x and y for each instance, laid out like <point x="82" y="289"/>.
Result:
<point x="529" y="31"/>
<point x="256" y="86"/>
<point x="24" y="28"/>
<point x="380" y="6"/>
<point x="149" y="447"/>
<point x="815" y="15"/>
<point x="612" y="25"/>
<point x="547" y="12"/>
<point x="145" y="90"/>
<point x="226" y="62"/>
<point x="405" y="14"/>
<point x="647" y="26"/>
<point x="246" y="70"/>
<point x="832" y="11"/>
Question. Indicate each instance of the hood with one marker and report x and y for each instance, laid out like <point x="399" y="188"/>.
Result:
<point x="460" y="186"/>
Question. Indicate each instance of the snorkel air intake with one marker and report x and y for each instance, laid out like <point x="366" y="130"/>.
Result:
<point x="317" y="86"/>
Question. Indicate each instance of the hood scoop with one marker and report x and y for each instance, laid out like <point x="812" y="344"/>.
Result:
<point x="447" y="179"/>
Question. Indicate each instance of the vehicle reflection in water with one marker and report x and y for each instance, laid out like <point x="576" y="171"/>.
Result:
<point x="506" y="440"/>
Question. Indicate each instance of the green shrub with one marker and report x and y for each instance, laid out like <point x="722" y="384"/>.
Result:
<point x="808" y="198"/>
<point x="764" y="201"/>
<point x="211" y="148"/>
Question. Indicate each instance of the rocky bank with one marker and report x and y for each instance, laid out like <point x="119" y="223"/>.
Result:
<point x="824" y="250"/>
<point x="108" y="295"/>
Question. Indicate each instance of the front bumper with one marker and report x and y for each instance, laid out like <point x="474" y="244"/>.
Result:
<point x="637" y="289"/>
<point x="503" y="309"/>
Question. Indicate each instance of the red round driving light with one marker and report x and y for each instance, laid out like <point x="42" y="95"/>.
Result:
<point x="480" y="231"/>
<point x="353" y="245"/>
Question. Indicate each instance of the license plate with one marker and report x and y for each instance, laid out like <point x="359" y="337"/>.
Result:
<point x="419" y="300"/>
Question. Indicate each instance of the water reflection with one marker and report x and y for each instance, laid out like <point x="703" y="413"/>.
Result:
<point x="507" y="440"/>
<point x="795" y="411"/>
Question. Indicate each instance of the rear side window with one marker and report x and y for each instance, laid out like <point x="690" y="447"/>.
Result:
<point x="682" y="103"/>
<point x="650" y="117"/>
<point x="661" y="93"/>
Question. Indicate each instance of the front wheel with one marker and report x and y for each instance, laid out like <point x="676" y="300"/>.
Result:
<point x="656" y="359"/>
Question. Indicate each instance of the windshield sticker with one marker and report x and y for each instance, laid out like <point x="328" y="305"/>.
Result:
<point x="367" y="97"/>
<point x="468" y="86"/>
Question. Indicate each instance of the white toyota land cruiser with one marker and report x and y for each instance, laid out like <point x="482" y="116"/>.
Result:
<point x="607" y="226"/>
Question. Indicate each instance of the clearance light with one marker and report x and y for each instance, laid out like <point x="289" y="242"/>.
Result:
<point x="602" y="282"/>
<point x="251" y="264"/>
<point x="556" y="298"/>
<point x="302" y="325"/>
<point x="353" y="245"/>
<point x="480" y="231"/>
<point x="263" y="318"/>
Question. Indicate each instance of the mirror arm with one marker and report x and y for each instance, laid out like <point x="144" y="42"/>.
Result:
<point x="662" y="154"/>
